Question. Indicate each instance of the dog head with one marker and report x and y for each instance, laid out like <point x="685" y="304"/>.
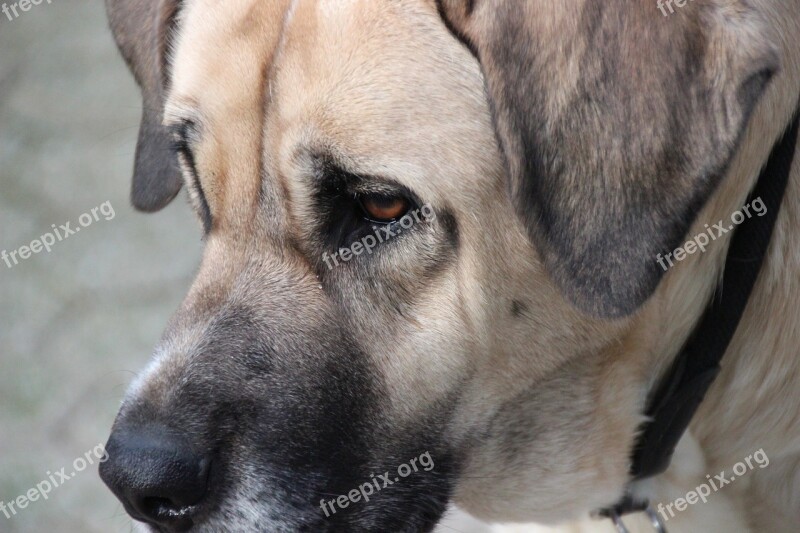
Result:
<point x="403" y="268"/>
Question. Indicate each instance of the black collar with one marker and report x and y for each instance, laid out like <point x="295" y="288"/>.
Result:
<point x="681" y="390"/>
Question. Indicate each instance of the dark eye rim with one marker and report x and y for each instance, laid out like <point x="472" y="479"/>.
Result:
<point x="182" y="136"/>
<point x="361" y="197"/>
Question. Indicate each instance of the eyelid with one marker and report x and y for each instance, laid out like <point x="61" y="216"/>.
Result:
<point x="380" y="197"/>
<point x="371" y="187"/>
<point x="184" y="133"/>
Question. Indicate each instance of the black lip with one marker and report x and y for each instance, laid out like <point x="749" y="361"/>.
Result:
<point x="425" y="525"/>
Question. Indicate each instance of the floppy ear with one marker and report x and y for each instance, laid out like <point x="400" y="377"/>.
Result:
<point x="141" y="29"/>
<point x="617" y="123"/>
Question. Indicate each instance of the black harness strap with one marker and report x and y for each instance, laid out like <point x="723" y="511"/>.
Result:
<point x="680" y="392"/>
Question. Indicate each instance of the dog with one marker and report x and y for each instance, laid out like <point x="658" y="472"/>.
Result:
<point x="514" y="335"/>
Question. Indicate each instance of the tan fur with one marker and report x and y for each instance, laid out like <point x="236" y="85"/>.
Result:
<point x="754" y="404"/>
<point x="388" y="89"/>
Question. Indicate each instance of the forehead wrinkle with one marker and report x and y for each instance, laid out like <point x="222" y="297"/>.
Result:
<point x="223" y="57"/>
<point x="274" y="192"/>
<point x="374" y="91"/>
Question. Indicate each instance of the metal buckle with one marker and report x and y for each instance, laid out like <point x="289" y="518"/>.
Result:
<point x="655" y="520"/>
<point x="615" y="516"/>
<point x="618" y="523"/>
<point x="658" y="525"/>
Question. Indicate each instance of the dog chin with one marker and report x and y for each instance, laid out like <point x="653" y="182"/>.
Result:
<point x="253" y="511"/>
<point x="247" y="519"/>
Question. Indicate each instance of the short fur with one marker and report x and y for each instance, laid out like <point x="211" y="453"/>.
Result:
<point x="515" y="336"/>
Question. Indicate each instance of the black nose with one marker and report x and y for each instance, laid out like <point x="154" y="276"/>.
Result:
<point x="156" y="476"/>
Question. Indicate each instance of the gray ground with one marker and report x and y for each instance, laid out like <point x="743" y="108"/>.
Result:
<point x="78" y="322"/>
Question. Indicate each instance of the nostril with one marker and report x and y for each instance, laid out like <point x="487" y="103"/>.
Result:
<point x="156" y="475"/>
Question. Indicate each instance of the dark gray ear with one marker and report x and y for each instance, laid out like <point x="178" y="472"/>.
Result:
<point x="617" y="123"/>
<point x="141" y="29"/>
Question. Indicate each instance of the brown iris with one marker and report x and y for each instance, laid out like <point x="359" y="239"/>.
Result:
<point x="383" y="208"/>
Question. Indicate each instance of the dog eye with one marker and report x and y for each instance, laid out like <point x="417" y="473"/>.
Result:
<point x="383" y="208"/>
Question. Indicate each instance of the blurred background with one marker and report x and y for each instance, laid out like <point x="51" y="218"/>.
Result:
<point x="77" y="322"/>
